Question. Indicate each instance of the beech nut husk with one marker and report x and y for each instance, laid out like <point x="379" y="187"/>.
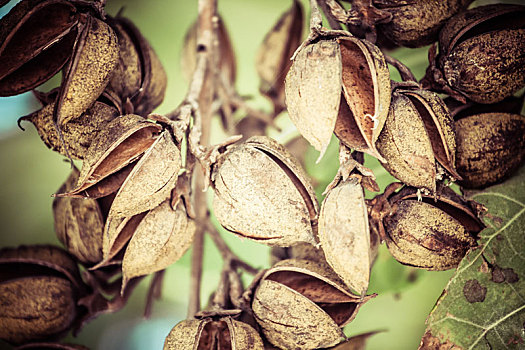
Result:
<point x="302" y="304"/>
<point x="262" y="193"/>
<point x="433" y="234"/>
<point x="39" y="288"/>
<point x="490" y="147"/>
<point x="416" y="23"/>
<point x="210" y="333"/>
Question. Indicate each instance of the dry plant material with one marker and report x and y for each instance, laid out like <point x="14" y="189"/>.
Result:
<point x="120" y="143"/>
<point x="366" y="91"/>
<point x="344" y="234"/>
<point x="416" y="23"/>
<point x="37" y="38"/>
<point x="51" y="346"/>
<point x="490" y="147"/>
<point x="418" y="131"/>
<point x="433" y="233"/>
<point x="262" y="193"/>
<point x="139" y="81"/>
<point x="273" y="56"/>
<point x="303" y="304"/>
<point x="79" y="223"/>
<point x="39" y="287"/>
<point x="160" y="239"/>
<point x="213" y="333"/>
<point x="313" y="91"/>
<point x="94" y="57"/>
<point x="78" y="134"/>
<point x="481" y="54"/>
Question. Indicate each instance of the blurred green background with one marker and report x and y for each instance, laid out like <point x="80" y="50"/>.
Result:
<point x="30" y="173"/>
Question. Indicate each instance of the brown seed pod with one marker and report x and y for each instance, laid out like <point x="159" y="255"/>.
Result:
<point x="419" y="130"/>
<point x="139" y="77"/>
<point x="38" y="292"/>
<point x="77" y="134"/>
<point x="79" y="223"/>
<point x="160" y="239"/>
<point x="481" y="54"/>
<point x="490" y="147"/>
<point x="208" y="334"/>
<point x="313" y="91"/>
<point x="37" y="38"/>
<point x="303" y="304"/>
<point x="111" y="153"/>
<point x="94" y="57"/>
<point x="273" y="56"/>
<point x="367" y="92"/>
<point x="434" y="233"/>
<point x="262" y="193"/>
<point x="344" y="234"/>
<point x="416" y="23"/>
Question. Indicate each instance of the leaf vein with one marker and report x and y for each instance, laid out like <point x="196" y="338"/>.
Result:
<point x="495" y="194"/>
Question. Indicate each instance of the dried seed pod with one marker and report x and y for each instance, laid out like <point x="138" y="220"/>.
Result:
<point x="151" y="180"/>
<point x="95" y="56"/>
<point x="418" y="131"/>
<point x="313" y="91"/>
<point x="367" y="92"/>
<point x="139" y="76"/>
<point x="262" y="193"/>
<point x="37" y="38"/>
<point x="77" y="134"/>
<point x="344" y="234"/>
<point x="38" y="293"/>
<point x="434" y="233"/>
<point x="490" y="147"/>
<point x="79" y="223"/>
<point x="301" y="304"/>
<point x="51" y="346"/>
<point x="160" y="239"/>
<point x="482" y="54"/>
<point x="273" y="56"/>
<point x="120" y="143"/>
<point x="417" y="23"/>
<point x="208" y="334"/>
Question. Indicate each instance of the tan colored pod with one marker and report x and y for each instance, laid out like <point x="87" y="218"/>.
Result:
<point x="344" y="234"/>
<point x="209" y="334"/>
<point x="261" y="193"/>
<point x="302" y="304"/>
<point x="490" y="147"/>
<point x="421" y="235"/>
<point x="313" y="91"/>
<point x="405" y="145"/>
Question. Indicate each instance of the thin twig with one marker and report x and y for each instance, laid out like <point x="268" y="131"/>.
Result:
<point x="332" y="20"/>
<point x="405" y="72"/>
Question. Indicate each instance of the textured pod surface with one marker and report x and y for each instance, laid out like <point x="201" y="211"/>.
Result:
<point x="417" y="23"/>
<point x="79" y="223"/>
<point x="184" y="335"/>
<point x="151" y="180"/>
<point x="421" y="235"/>
<point x="34" y="308"/>
<point x="291" y="321"/>
<point x="36" y="40"/>
<point x="120" y="142"/>
<point x="367" y="92"/>
<point x="262" y="194"/>
<point x="313" y="91"/>
<point x="488" y="67"/>
<point x="405" y="145"/>
<point x="344" y="234"/>
<point x="77" y="134"/>
<point x="243" y="336"/>
<point x="160" y="239"/>
<point x="490" y="147"/>
<point x="89" y="70"/>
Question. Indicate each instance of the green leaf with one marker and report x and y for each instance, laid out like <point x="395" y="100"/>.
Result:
<point x="483" y="305"/>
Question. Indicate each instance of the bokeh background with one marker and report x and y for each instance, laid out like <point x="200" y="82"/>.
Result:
<point x="30" y="173"/>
